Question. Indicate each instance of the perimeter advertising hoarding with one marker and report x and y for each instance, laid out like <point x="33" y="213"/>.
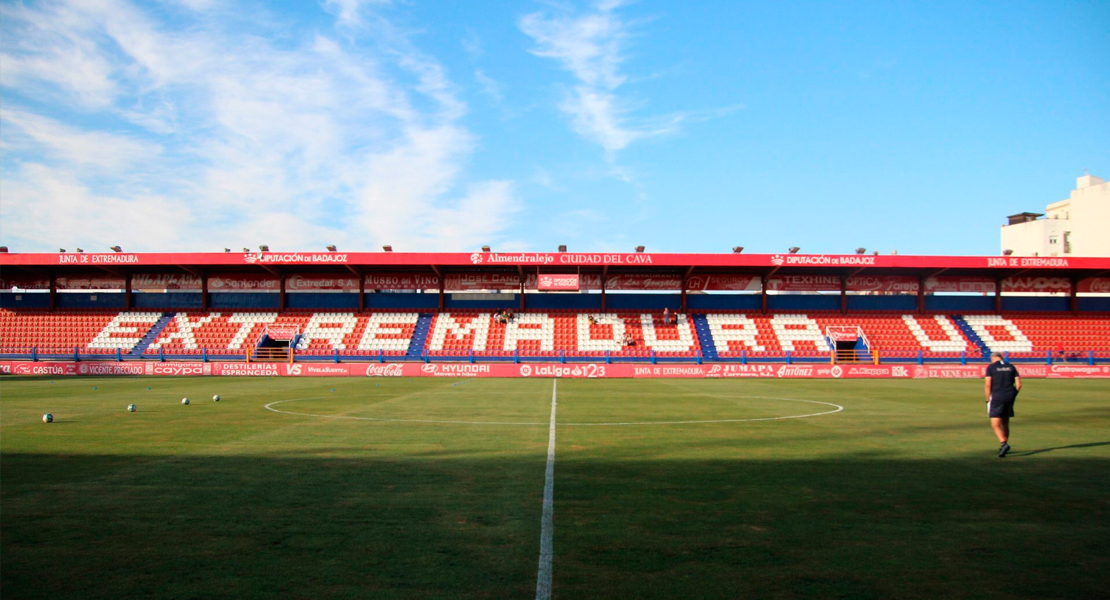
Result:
<point x="165" y="281"/>
<point x="1095" y="285"/>
<point x="557" y="282"/>
<point x="247" y="282"/>
<point x="542" y="370"/>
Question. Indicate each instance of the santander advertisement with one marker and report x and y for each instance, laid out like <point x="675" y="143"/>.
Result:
<point x="542" y="370"/>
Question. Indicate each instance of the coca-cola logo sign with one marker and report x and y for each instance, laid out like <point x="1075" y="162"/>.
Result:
<point x="385" y="370"/>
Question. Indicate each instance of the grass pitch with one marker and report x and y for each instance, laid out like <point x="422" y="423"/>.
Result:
<point x="385" y="494"/>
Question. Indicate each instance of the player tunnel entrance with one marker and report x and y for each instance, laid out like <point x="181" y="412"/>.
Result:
<point x="849" y="344"/>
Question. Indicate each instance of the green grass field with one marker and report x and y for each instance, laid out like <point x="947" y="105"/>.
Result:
<point x="900" y="495"/>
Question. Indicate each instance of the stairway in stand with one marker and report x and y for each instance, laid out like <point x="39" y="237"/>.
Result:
<point x="971" y="335"/>
<point x="705" y="337"/>
<point x="151" y="335"/>
<point x="420" y="336"/>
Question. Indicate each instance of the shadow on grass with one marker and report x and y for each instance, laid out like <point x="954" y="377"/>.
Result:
<point x="94" y="526"/>
<point x="1043" y="450"/>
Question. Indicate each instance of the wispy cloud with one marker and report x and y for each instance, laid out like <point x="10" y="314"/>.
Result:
<point x="197" y="133"/>
<point x="489" y="86"/>
<point x="98" y="149"/>
<point x="591" y="47"/>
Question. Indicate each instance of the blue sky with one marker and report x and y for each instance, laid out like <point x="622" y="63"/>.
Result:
<point x="195" y="125"/>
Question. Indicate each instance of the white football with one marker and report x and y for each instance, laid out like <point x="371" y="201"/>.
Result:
<point x="216" y="398"/>
<point x="48" y="418"/>
<point x="185" y="401"/>
<point x="131" y="408"/>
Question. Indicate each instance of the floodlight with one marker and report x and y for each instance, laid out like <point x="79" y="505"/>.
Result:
<point x="331" y="248"/>
<point x="226" y="250"/>
<point x="562" y="247"/>
<point x="639" y="248"/>
<point x="61" y="249"/>
<point x="115" y="248"/>
<point x="738" y="249"/>
<point x="485" y="249"/>
<point x="3" y="248"/>
<point x="264" y="248"/>
<point x="894" y="252"/>
<point x="1007" y="252"/>
<point x="861" y="250"/>
<point x="876" y="253"/>
<point x="246" y="250"/>
<point x="80" y="250"/>
<point x="794" y="249"/>
<point x="387" y="248"/>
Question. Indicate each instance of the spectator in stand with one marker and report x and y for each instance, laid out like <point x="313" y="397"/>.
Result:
<point x="666" y="316"/>
<point x="1060" y="351"/>
<point x="592" y="320"/>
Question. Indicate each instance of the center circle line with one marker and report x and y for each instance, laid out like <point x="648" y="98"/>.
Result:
<point x="837" y="408"/>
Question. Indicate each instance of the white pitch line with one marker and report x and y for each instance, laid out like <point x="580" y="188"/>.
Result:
<point x="543" y="577"/>
<point x="837" y="408"/>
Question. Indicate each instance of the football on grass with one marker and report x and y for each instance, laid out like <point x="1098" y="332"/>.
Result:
<point x="48" y="418"/>
<point x="185" y="401"/>
<point x="131" y="408"/>
<point x="216" y="398"/>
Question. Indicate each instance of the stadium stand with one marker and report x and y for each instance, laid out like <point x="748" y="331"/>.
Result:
<point x="726" y="335"/>
<point x="62" y="331"/>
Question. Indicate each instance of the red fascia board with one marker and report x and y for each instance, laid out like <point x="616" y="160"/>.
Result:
<point x="480" y="260"/>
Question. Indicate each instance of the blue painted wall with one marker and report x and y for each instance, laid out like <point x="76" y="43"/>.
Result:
<point x="894" y="303"/>
<point x="960" y="304"/>
<point x="167" y="301"/>
<point x="28" y="301"/>
<point x="724" y="302"/>
<point x="1032" y="303"/>
<point x="556" y="301"/>
<point x="802" y="302"/>
<point x="322" y="301"/>
<point x="1094" y="304"/>
<point x="243" y="301"/>
<point x="615" y="302"/>
<point x="114" y="300"/>
<point x="412" y="301"/>
<point x="509" y="301"/>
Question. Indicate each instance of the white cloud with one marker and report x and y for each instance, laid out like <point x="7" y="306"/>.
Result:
<point x="490" y="87"/>
<point x="590" y="47"/>
<point x="69" y="144"/>
<point x="200" y="134"/>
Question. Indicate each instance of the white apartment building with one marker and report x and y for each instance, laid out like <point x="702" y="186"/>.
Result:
<point x="1077" y="226"/>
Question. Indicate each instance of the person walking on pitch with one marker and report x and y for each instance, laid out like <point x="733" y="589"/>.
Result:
<point x="1001" y="388"/>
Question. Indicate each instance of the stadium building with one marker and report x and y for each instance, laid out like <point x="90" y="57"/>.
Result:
<point x="502" y="314"/>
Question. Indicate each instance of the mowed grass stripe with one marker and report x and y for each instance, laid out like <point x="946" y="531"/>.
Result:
<point x="229" y="500"/>
<point x="900" y="495"/>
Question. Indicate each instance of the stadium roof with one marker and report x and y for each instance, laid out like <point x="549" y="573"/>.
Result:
<point x="124" y="262"/>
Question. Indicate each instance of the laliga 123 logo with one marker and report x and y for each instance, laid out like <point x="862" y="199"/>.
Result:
<point x="476" y="258"/>
<point x="777" y="260"/>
